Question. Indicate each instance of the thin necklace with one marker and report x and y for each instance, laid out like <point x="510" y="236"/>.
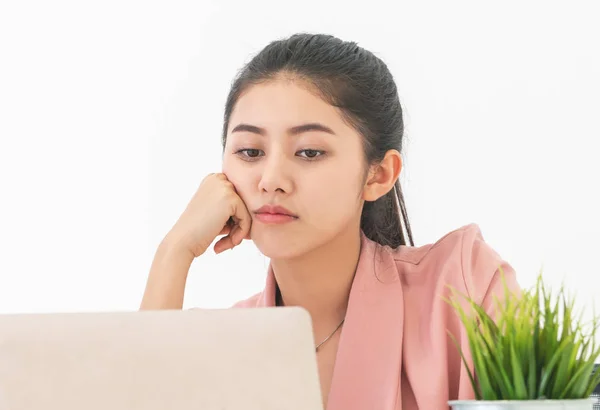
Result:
<point x="279" y="302"/>
<point x="329" y="337"/>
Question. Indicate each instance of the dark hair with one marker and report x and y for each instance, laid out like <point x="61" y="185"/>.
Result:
<point x="360" y="84"/>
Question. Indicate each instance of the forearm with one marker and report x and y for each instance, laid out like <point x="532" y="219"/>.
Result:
<point x="165" y="287"/>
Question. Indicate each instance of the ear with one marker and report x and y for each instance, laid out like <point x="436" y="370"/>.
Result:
<point x="382" y="176"/>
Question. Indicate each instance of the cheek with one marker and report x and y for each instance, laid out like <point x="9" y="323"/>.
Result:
<point x="335" y="194"/>
<point x="238" y="176"/>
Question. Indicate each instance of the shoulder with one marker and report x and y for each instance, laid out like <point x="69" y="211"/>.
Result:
<point x="460" y="258"/>
<point x="450" y="245"/>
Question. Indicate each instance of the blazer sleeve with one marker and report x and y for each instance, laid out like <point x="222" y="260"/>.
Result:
<point x="483" y="271"/>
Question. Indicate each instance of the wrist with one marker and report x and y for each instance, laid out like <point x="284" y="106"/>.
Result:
<point x="173" y="247"/>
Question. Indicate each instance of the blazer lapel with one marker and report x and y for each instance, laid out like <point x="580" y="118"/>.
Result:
<point x="369" y="357"/>
<point x="267" y="296"/>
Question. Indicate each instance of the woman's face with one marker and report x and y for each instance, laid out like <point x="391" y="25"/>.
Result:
<point x="287" y="147"/>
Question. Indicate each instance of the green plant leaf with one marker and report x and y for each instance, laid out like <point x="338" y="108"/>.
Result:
<point x="487" y="388"/>
<point x="594" y="381"/>
<point x="464" y="360"/>
<point x="534" y="346"/>
<point x="532" y="375"/>
<point x="498" y="372"/>
<point x="519" y="381"/>
<point x="578" y="383"/>
<point x="548" y="370"/>
<point x="562" y="375"/>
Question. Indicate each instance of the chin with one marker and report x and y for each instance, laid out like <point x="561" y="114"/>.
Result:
<point x="283" y="244"/>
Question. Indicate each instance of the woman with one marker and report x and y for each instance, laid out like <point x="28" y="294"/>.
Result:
<point x="312" y="142"/>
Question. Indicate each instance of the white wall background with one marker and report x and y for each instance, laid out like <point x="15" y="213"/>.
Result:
<point x="110" y="115"/>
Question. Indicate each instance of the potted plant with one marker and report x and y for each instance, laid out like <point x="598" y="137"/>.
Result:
<point x="536" y="353"/>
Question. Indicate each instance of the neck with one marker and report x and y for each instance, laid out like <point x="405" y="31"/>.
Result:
<point x="320" y="281"/>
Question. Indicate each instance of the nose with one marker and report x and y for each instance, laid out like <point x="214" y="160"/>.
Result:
<point x="275" y="174"/>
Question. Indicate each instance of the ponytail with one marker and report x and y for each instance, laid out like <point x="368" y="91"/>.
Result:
<point x="386" y="220"/>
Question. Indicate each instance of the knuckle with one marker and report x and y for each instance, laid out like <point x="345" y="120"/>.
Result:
<point x="230" y="195"/>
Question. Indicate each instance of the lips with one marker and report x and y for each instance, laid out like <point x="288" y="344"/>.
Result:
<point x="274" y="210"/>
<point x="274" y="215"/>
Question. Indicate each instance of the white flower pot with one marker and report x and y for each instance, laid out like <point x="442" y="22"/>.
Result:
<point x="580" y="404"/>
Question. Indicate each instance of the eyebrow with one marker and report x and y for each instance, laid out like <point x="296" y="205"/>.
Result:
<point x="299" y="129"/>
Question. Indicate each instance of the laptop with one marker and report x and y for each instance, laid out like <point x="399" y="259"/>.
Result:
<point x="230" y="359"/>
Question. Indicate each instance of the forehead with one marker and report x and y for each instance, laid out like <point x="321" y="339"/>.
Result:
<point x="284" y="103"/>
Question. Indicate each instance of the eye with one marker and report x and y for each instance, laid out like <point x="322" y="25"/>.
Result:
<point x="249" y="154"/>
<point x="311" y="153"/>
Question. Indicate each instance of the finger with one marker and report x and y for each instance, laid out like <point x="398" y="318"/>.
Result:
<point x="241" y="232"/>
<point x="223" y="244"/>
<point x="237" y="235"/>
<point x="226" y="230"/>
<point x="243" y="224"/>
<point x="231" y="240"/>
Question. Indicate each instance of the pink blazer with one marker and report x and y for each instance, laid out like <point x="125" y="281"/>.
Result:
<point x="394" y="351"/>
